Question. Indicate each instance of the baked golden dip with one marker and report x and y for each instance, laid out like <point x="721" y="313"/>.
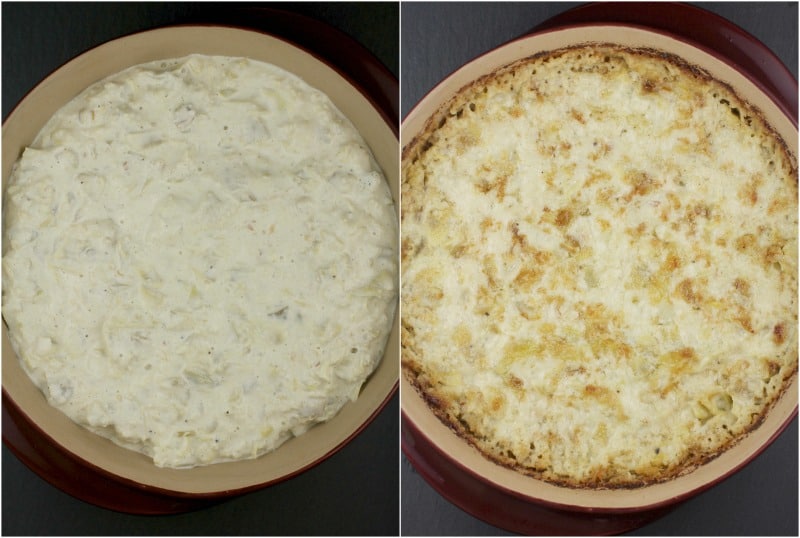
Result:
<point x="599" y="266"/>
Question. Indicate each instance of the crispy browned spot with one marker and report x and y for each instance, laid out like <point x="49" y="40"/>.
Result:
<point x="488" y="224"/>
<point x="679" y="360"/>
<point x="742" y="286"/>
<point x="601" y="333"/>
<point x="465" y="141"/>
<point x="605" y="396"/>
<point x="773" y="368"/>
<point x="686" y="291"/>
<point x="749" y="192"/>
<point x="641" y="184"/>
<point x="459" y="250"/>
<point x="745" y="242"/>
<point x="743" y="319"/>
<point x="666" y="390"/>
<point x="515" y="382"/>
<point x="773" y="253"/>
<point x="699" y="210"/>
<point x="499" y="186"/>
<point x="637" y="232"/>
<point x="672" y="262"/>
<point x="406" y="248"/>
<point x="596" y="177"/>
<point x="603" y="149"/>
<point x="779" y="203"/>
<point x="563" y="217"/>
<point x="591" y="390"/>
<point x="434" y="401"/>
<point x="779" y="334"/>
<point x="674" y="201"/>
<point x="542" y="257"/>
<point x="527" y="277"/>
<point x="497" y="403"/>
<point x="517" y="239"/>
<point x="571" y="244"/>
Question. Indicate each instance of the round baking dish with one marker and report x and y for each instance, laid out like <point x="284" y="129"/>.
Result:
<point x="63" y="447"/>
<point x="508" y="499"/>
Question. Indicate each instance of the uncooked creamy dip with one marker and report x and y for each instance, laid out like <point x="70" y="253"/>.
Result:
<point x="199" y="259"/>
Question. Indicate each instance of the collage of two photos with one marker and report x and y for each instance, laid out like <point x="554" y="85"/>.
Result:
<point x="399" y="268"/>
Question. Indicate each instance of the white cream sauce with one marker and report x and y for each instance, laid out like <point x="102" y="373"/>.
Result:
<point x="199" y="259"/>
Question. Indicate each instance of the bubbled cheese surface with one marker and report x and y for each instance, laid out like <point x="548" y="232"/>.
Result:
<point x="599" y="259"/>
<point x="199" y="259"/>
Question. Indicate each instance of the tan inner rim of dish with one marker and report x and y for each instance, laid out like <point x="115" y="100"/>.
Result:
<point x="443" y="438"/>
<point x="20" y="129"/>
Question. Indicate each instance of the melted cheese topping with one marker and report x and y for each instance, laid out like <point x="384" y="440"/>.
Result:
<point x="200" y="259"/>
<point x="599" y="266"/>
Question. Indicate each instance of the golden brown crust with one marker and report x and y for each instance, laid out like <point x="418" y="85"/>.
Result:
<point x="457" y="409"/>
<point x="439" y="405"/>
<point x="424" y="139"/>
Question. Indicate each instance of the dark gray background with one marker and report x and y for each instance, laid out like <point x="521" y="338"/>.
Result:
<point x="355" y="492"/>
<point x="437" y="38"/>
